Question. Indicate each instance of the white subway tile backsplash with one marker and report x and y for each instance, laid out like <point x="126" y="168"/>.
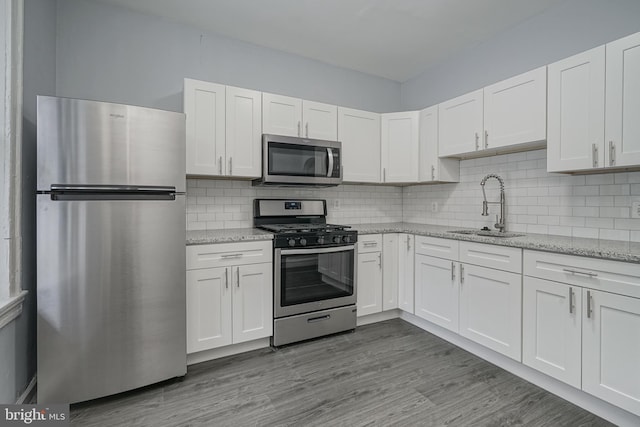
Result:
<point x="594" y="206"/>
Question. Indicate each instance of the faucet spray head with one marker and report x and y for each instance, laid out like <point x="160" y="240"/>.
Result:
<point x="485" y="208"/>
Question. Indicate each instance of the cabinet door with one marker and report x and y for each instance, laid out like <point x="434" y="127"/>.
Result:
<point x="252" y="301"/>
<point x="428" y="168"/>
<point x="406" y="273"/>
<point x="244" y="132"/>
<point x="390" y="271"/>
<point x="575" y="117"/>
<point x="623" y="102"/>
<point x="552" y="328"/>
<point x="281" y="115"/>
<point x="359" y="132"/>
<point x="611" y="348"/>
<point x="204" y="107"/>
<point x="515" y="110"/>
<point x="369" y="283"/>
<point x="490" y="308"/>
<point x="400" y="146"/>
<point x="460" y="124"/>
<point x="208" y="309"/>
<point x="436" y="291"/>
<point x="320" y="120"/>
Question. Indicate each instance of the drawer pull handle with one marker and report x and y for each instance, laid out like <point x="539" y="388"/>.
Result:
<point x="369" y="244"/>
<point x="584" y="273"/>
<point x="231" y="256"/>
<point x="318" y="319"/>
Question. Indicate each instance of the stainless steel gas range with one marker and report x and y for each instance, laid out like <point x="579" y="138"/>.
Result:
<point x="314" y="271"/>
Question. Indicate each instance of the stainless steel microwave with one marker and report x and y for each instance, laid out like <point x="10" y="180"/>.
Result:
<point x="291" y="161"/>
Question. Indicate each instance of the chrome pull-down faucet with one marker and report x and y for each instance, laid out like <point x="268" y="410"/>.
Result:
<point x="500" y="221"/>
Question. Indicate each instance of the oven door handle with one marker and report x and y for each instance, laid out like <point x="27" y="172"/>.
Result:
<point x="316" y="250"/>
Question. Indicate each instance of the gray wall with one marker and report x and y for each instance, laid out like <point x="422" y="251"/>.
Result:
<point x="110" y="53"/>
<point x="569" y="28"/>
<point x="18" y="340"/>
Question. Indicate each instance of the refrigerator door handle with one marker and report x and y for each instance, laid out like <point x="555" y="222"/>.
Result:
<point x="112" y="188"/>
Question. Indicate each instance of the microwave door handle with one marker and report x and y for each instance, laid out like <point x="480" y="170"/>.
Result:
<point x="330" y="166"/>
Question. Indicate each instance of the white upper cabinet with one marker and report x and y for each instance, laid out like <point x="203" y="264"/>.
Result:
<point x="622" y="108"/>
<point x="244" y="132"/>
<point x="431" y="167"/>
<point x="460" y="122"/>
<point x="359" y="132"/>
<point x="576" y="112"/>
<point x="284" y="115"/>
<point x="204" y="106"/>
<point x="400" y="141"/>
<point x="515" y="110"/>
<point x="223" y="130"/>
<point x="281" y="115"/>
<point x="507" y="116"/>
<point x="320" y="120"/>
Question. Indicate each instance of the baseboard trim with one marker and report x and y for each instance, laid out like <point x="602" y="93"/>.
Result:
<point x="229" y="350"/>
<point x="378" y="317"/>
<point x="29" y="393"/>
<point x="579" y="398"/>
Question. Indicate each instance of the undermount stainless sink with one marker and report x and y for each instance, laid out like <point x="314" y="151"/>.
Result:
<point x="487" y="233"/>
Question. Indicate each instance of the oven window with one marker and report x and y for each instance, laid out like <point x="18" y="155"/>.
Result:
<point x="297" y="160"/>
<point x="316" y="277"/>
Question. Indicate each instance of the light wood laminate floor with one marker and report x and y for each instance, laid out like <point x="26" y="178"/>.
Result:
<point x="388" y="373"/>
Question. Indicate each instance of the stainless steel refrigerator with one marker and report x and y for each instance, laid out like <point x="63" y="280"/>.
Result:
<point x="111" y="248"/>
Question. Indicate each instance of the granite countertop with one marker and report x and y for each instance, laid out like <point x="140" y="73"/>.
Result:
<point x="596" y="248"/>
<point x="606" y="249"/>
<point x="201" y="237"/>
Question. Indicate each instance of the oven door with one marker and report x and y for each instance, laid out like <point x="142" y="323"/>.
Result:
<point x="311" y="279"/>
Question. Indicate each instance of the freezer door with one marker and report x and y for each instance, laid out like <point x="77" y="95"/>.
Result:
<point x="99" y="143"/>
<point x="111" y="296"/>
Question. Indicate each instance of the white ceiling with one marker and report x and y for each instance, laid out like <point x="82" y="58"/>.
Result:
<point x="394" y="39"/>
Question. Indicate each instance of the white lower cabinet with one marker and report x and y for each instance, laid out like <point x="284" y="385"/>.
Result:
<point x="369" y="283"/>
<point x="208" y="309"/>
<point x="229" y="298"/>
<point x="252" y="302"/>
<point x="551" y="329"/>
<point x="406" y="284"/>
<point x="611" y="348"/>
<point x="436" y="291"/>
<point x="390" y="271"/>
<point x="490" y="308"/>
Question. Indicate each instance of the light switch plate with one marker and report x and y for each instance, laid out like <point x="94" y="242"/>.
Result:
<point x="635" y="209"/>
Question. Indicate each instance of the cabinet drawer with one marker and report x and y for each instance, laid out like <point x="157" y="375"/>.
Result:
<point x="225" y="254"/>
<point x="600" y="274"/>
<point x="434" y="246"/>
<point x="492" y="256"/>
<point x="369" y="243"/>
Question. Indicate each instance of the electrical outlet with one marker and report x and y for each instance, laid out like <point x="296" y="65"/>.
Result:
<point x="434" y="206"/>
<point x="635" y="209"/>
<point x="336" y="204"/>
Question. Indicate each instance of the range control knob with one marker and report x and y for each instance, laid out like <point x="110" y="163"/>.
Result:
<point x="346" y="239"/>
<point x="337" y="239"/>
<point x="292" y="242"/>
<point x="321" y="240"/>
<point x="303" y="241"/>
